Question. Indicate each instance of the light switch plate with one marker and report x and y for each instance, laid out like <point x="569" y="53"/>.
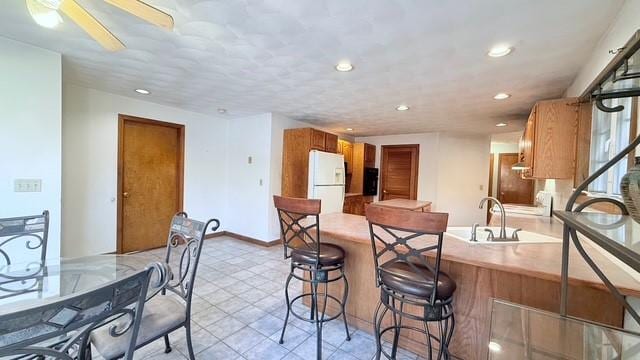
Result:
<point x="27" y="185"/>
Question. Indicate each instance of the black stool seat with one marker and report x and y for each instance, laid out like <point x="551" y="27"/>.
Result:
<point x="400" y="276"/>
<point x="329" y="255"/>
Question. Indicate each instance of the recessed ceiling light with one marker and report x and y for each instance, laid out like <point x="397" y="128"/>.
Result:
<point x="500" y="51"/>
<point x="143" y="91"/>
<point x="222" y="111"/>
<point x="495" y="347"/>
<point x="501" y="124"/>
<point x="349" y="129"/>
<point x="402" y="107"/>
<point x="344" y="66"/>
<point x="501" y="96"/>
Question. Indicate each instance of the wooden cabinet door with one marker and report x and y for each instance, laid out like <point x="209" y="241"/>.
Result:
<point x="330" y="143"/>
<point x="317" y="140"/>
<point x="369" y="155"/>
<point x="555" y="136"/>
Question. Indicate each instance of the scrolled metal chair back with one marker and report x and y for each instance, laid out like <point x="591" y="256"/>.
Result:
<point x="30" y="232"/>
<point x="184" y="246"/>
<point x="299" y="224"/>
<point x="407" y="236"/>
<point x="37" y="332"/>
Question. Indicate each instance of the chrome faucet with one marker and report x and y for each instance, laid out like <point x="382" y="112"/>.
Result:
<point x="503" y="218"/>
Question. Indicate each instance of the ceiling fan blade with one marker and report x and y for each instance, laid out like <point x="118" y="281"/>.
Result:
<point x="91" y="25"/>
<point x="145" y="12"/>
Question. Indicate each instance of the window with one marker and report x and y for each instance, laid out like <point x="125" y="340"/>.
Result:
<point x="610" y="133"/>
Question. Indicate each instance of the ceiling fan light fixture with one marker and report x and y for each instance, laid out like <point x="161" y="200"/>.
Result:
<point x="44" y="14"/>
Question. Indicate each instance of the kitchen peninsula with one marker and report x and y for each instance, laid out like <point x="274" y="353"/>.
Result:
<point x="527" y="274"/>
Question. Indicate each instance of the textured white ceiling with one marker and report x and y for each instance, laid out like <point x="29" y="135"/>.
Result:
<point x="252" y="56"/>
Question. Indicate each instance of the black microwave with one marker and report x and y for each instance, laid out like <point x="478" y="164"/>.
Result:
<point x="370" y="182"/>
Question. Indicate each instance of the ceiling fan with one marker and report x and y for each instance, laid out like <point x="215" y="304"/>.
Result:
<point x="47" y="13"/>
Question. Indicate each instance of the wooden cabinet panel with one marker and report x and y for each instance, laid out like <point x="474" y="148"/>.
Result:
<point x="548" y="146"/>
<point x="346" y="149"/>
<point x="555" y="139"/>
<point x="317" y="139"/>
<point x="295" y="162"/>
<point x="354" y="205"/>
<point x="369" y="155"/>
<point x="330" y="143"/>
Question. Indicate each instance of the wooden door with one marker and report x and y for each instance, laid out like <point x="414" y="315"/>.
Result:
<point x="512" y="188"/>
<point x="150" y="181"/>
<point x="399" y="174"/>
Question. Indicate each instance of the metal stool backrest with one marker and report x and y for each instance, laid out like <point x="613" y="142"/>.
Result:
<point x="184" y="245"/>
<point x="403" y="235"/>
<point x="61" y="330"/>
<point x="299" y="224"/>
<point x="32" y="231"/>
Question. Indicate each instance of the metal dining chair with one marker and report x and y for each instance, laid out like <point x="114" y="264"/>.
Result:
<point x="407" y="249"/>
<point x="167" y="313"/>
<point x="25" y="233"/>
<point x="61" y="330"/>
<point x="23" y="242"/>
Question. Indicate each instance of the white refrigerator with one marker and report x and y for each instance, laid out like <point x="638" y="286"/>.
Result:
<point x="326" y="180"/>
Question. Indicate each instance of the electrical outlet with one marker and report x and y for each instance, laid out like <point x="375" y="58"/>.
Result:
<point x="27" y="185"/>
<point x="481" y="187"/>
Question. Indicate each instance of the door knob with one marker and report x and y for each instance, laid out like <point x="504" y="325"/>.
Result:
<point x="125" y="194"/>
<point x="384" y="191"/>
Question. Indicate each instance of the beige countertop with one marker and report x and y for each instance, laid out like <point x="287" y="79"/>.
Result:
<point x="352" y="194"/>
<point x="404" y="204"/>
<point x="537" y="260"/>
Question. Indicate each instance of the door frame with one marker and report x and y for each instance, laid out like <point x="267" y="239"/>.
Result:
<point x="122" y="118"/>
<point x="533" y="188"/>
<point x="417" y="167"/>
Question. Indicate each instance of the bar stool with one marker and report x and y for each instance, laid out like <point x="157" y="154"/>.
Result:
<point x="319" y="263"/>
<point x="401" y="240"/>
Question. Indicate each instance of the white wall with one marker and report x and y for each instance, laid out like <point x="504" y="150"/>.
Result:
<point x="250" y="209"/>
<point x="248" y="184"/>
<point x="620" y="31"/>
<point x="89" y="152"/>
<point x="30" y="121"/>
<point x="463" y="177"/>
<point x="453" y="171"/>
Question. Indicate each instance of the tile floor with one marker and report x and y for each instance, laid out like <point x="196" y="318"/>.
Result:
<point x="239" y="308"/>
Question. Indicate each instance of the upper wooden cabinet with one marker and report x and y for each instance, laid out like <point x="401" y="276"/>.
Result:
<point x="548" y="145"/>
<point x="330" y="143"/>
<point x="295" y="157"/>
<point x="317" y="139"/>
<point x="369" y="155"/>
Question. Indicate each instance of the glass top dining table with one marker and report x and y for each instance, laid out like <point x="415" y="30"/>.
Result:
<point x="29" y="285"/>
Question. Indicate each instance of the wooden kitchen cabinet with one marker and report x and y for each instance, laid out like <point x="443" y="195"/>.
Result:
<point x="295" y="157"/>
<point x="317" y="139"/>
<point x="330" y="143"/>
<point x="548" y="145"/>
<point x="369" y="155"/>
<point x="364" y="155"/>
